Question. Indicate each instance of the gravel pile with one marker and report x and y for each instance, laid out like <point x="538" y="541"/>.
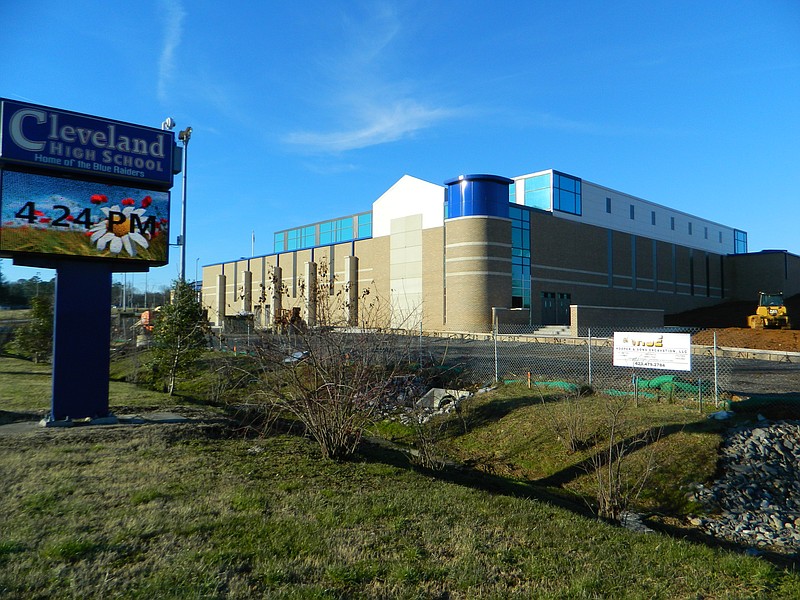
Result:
<point x="757" y="500"/>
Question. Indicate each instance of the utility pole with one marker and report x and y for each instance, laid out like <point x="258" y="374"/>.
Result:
<point x="184" y="136"/>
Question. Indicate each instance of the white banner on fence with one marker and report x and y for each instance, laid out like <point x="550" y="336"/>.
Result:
<point x="670" y="351"/>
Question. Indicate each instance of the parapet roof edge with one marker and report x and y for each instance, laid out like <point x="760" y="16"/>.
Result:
<point x="479" y="177"/>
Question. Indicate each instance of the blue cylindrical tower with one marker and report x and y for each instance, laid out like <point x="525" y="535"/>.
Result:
<point x="472" y="195"/>
<point x="477" y="250"/>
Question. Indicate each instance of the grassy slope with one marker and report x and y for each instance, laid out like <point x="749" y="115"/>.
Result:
<point x="188" y="511"/>
<point x="512" y="434"/>
<point x="168" y="512"/>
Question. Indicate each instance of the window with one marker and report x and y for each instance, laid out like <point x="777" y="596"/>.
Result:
<point x="567" y="194"/>
<point x="705" y="233"/>
<point x="672" y="223"/>
<point x="608" y="205"/>
<point x="537" y="191"/>
<point x="344" y="229"/>
<point x="690" y="228"/>
<point x="633" y="211"/>
<point x="365" y="225"/>
<point x="520" y="257"/>
<point x="326" y="233"/>
<point x="309" y="236"/>
<point x="512" y="193"/>
<point x="293" y="239"/>
<point x="720" y="237"/>
<point x="653" y="217"/>
<point x="739" y="242"/>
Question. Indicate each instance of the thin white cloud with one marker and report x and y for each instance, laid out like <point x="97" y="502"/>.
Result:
<point x="379" y="125"/>
<point x="378" y="104"/>
<point x="173" y="31"/>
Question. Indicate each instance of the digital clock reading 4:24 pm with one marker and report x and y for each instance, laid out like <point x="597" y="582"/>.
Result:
<point x="48" y="215"/>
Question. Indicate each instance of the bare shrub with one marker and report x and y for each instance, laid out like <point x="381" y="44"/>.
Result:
<point x="332" y="377"/>
<point x="428" y="434"/>
<point x="619" y="479"/>
<point x="229" y="376"/>
<point x="568" y="420"/>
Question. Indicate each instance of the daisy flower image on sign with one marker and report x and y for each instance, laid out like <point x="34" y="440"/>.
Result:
<point x="123" y="228"/>
<point x="51" y="215"/>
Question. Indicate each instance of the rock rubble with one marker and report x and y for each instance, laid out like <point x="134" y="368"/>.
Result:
<point x="756" y="502"/>
<point x="409" y="400"/>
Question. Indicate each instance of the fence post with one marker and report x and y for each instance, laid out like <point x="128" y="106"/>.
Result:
<point x="495" y="327"/>
<point x="716" y="380"/>
<point x="700" y="394"/>
<point x="420" y="342"/>
<point x="590" y="356"/>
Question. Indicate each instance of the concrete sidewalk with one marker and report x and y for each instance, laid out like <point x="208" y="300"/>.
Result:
<point x="154" y="418"/>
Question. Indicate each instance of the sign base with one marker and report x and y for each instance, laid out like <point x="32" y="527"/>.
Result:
<point x="81" y="341"/>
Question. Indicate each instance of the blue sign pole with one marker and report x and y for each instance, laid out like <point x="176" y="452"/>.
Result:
<point x="81" y="340"/>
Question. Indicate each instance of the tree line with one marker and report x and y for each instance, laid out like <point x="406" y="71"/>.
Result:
<point x="20" y="293"/>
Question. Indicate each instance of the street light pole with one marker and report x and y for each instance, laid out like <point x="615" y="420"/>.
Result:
<point x="198" y="291"/>
<point x="184" y="136"/>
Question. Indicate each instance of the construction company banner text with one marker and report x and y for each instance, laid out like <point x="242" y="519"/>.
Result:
<point x="667" y="351"/>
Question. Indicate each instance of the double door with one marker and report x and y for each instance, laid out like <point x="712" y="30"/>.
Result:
<point x="555" y="308"/>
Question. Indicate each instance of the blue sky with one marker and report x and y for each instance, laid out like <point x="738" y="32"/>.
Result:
<point x="304" y="111"/>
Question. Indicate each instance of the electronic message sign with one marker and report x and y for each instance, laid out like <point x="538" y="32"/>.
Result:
<point x="39" y="137"/>
<point x="75" y="185"/>
<point x="42" y="215"/>
<point x="86" y="196"/>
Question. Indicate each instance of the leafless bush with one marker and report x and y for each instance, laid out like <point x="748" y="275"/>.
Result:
<point x="227" y="377"/>
<point x="568" y="420"/>
<point x="428" y="434"/>
<point x="619" y="480"/>
<point x="330" y="377"/>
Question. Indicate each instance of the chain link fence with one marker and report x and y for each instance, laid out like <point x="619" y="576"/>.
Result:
<point x="724" y="367"/>
<point x="542" y="359"/>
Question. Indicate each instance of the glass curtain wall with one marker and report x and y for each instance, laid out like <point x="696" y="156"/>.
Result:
<point x="520" y="257"/>
<point x="325" y="233"/>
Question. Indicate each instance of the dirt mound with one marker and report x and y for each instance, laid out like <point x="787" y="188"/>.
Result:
<point x="741" y="337"/>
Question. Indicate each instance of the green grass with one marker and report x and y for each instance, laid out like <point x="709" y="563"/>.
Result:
<point x="512" y="434"/>
<point x="26" y="392"/>
<point x="200" y="517"/>
<point x="193" y="511"/>
<point x="17" y="314"/>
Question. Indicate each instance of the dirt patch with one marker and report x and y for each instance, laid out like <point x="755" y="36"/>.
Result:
<point x="760" y="339"/>
<point x="729" y="314"/>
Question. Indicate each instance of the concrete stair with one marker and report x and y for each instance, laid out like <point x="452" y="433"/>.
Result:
<point x="553" y="330"/>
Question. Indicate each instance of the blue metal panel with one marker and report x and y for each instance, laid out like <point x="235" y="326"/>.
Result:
<point x="81" y="340"/>
<point x="469" y="195"/>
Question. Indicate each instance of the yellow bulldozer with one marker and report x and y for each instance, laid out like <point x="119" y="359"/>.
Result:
<point x="771" y="312"/>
